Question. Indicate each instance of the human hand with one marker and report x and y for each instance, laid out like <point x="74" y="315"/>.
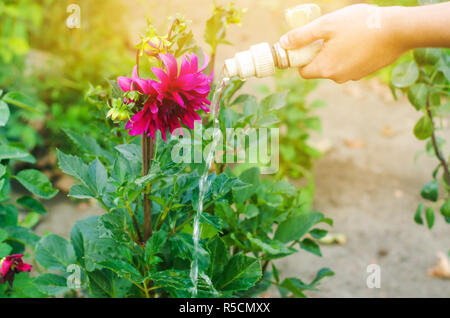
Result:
<point x="358" y="40"/>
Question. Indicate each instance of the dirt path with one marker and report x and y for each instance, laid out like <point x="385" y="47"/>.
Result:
<point x="371" y="190"/>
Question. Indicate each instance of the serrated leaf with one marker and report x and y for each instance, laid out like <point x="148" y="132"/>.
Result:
<point x="74" y="167"/>
<point x="123" y="269"/>
<point x="79" y="191"/>
<point x="98" y="176"/>
<point x="241" y="273"/>
<point x="219" y="256"/>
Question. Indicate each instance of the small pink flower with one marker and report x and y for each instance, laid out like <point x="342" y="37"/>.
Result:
<point x="10" y="266"/>
<point x="175" y="99"/>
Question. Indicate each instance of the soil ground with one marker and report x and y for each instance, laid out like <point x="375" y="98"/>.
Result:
<point x="367" y="181"/>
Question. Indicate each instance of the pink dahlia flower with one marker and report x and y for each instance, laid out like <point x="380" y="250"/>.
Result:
<point x="175" y="99"/>
<point x="12" y="265"/>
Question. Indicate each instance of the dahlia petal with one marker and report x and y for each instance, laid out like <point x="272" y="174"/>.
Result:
<point x="124" y="83"/>
<point x="161" y="75"/>
<point x="6" y="265"/>
<point x="23" y="267"/>
<point x="205" y="62"/>
<point x="178" y="99"/>
<point x="171" y="65"/>
<point x="185" y="66"/>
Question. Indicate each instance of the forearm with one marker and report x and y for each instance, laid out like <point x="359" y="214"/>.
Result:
<point x="424" y="26"/>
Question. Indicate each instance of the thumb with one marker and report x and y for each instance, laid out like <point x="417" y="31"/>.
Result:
<point x="302" y="36"/>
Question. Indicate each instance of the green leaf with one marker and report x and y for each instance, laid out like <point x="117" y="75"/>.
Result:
<point x="91" y="245"/>
<point x="418" y="95"/>
<point x="4" y="113"/>
<point x="251" y="211"/>
<point x="445" y="208"/>
<point x="296" y="286"/>
<point x="172" y="280"/>
<point x="5" y="250"/>
<point x="3" y="235"/>
<point x="55" y="253"/>
<point x="37" y="183"/>
<point x="2" y="170"/>
<point x="268" y="121"/>
<point x="52" y="284"/>
<point x="79" y="191"/>
<point x="322" y="273"/>
<point x="9" y="215"/>
<point x="22" y="235"/>
<point x="430" y="191"/>
<point x="74" y="167"/>
<point x="427" y="56"/>
<point x="131" y="152"/>
<point x="318" y="233"/>
<point x="405" y="74"/>
<point x="97" y="176"/>
<point x="154" y="245"/>
<point x="123" y="269"/>
<point x="20" y="100"/>
<point x="297" y="226"/>
<point x="310" y="246"/>
<point x="274" y="101"/>
<point x="423" y="128"/>
<point x="88" y="144"/>
<point x="219" y="256"/>
<point x="30" y="220"/>
<point x="272" y="248"/>
<point x="106" y="284"/>
<point x="275" y="273"/>
<point x="241" y="273"/>
<point x="418" y="215"/>
<point x="251" y="177"/>
<point x="429" y="215"/>
<point x="31" y="204"/>
<point x="9" y="152"/>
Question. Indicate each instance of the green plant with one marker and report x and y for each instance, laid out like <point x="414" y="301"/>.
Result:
<point x="143" y="245"/>
<point x="15" y="231"/>
<point x="425" y="78"/>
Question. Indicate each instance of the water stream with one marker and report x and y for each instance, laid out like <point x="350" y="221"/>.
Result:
<point x="204" y="184"/>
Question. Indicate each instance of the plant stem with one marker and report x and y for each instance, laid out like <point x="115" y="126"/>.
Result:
<point x="135" y="223"/>
<point x="148" y="148"/>
<point x="437" y="151"/>
<point x="146" y="290"/>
